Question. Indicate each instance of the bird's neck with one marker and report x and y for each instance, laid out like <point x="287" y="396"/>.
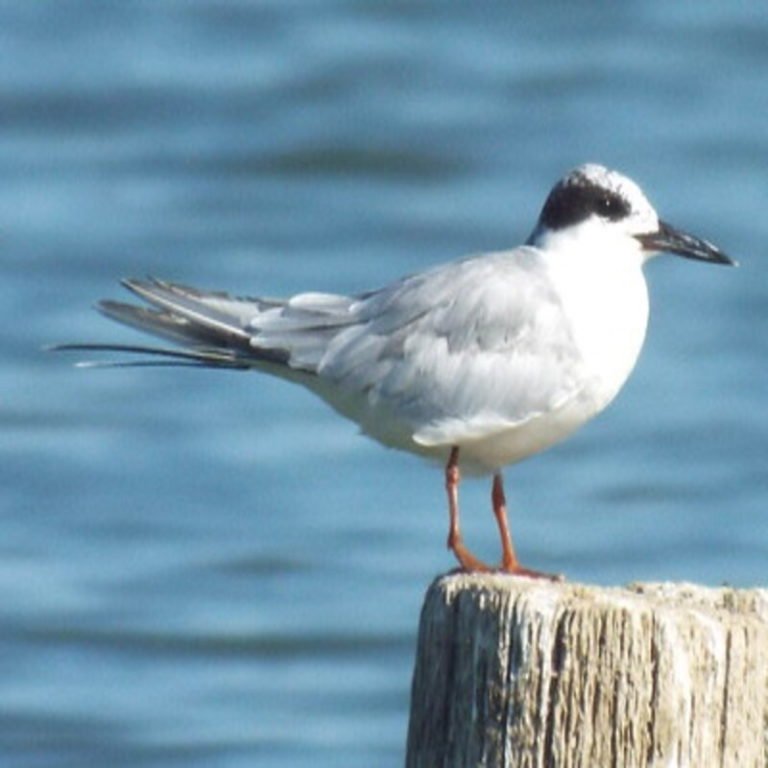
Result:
<point x="606" y="301"/>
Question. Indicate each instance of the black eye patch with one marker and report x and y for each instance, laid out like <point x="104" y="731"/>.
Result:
<point x="577" y="200"/>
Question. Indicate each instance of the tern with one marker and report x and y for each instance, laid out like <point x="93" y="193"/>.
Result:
<point x="484" y="361"/>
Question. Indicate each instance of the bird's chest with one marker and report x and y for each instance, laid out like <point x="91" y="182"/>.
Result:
<point x="608" y="317"/>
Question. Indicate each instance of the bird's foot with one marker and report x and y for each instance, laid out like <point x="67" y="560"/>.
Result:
<point x="471" y="564"/>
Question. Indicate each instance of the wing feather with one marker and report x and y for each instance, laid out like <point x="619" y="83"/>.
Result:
<point x="462" y="351"/>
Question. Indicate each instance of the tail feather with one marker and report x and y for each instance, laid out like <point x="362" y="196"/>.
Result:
<point x="162" y="324"/>
<point x="197" y="358"/>
<point x="183" y="306"/>
<point x="214" y="329"/>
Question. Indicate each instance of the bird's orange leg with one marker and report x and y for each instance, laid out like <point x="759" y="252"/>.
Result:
<point x="455" y="543"/>
<point x="509" y="561"/>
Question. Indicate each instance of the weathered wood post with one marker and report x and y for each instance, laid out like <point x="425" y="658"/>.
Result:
<point x="514" y="672"/>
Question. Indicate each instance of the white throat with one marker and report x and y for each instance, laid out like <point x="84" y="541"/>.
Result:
<point x="598" y="276"/>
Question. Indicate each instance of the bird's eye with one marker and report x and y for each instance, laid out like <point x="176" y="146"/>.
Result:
<point x="610" y="207"/>
<point x="605" y="205"/>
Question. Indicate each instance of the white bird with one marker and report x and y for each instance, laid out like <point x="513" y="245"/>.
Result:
<point x="489" y="359"/>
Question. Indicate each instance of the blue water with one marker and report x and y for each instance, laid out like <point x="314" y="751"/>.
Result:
<point x="212" y="569"/>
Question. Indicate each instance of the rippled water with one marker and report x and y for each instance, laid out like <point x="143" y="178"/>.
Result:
<point x="202" y="568"/>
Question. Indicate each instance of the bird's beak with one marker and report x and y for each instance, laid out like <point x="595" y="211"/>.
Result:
<point x="667" y="238"/>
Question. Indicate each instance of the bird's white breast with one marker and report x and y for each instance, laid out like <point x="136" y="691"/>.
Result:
<point x="607" y="308"/>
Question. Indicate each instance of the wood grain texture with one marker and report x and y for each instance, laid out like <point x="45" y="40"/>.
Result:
<point x="513" y="672"/>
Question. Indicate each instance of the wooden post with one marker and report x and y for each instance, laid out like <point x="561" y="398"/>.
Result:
<point x="514" y="672"/>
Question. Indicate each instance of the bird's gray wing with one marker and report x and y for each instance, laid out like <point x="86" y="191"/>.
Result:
<point x="462" y="351"/>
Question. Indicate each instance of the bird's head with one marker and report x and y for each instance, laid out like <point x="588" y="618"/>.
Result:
<point x="597" y="209"/>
